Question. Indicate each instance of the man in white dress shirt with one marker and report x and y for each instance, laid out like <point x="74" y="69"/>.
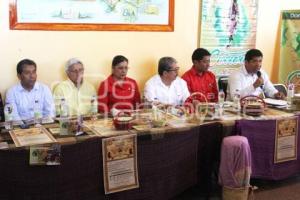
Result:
<point x="29" y="93"/>
<point x="166" y="87"/>
<point x="251" y="80"/>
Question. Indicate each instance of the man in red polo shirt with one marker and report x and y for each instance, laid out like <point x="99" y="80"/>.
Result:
<point x="199" y="79"/>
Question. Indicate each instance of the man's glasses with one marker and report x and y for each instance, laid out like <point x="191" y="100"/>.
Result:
<point x="122" y="68"/>
<point x="79" y="71"/>
<point x="173" y="70"/>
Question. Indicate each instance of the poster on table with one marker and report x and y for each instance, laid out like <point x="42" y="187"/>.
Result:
<point x="289" y="45"/>
<point x="286" y="139"/>
<point x="31" y="136"/>
<point x="120" y="163"/>
<point x="45" y="155"/>
<point x="228" y="30"/>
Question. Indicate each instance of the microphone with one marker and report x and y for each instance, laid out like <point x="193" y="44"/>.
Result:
<point x="258" y="73"/>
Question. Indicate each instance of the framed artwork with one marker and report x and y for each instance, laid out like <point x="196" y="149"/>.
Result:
<point x="92" y="15"/>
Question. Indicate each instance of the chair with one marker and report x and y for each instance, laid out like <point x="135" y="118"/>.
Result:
<point x="235" y="168"/>
<point x="1" y="109"/>
<point x="281" y="88"/>
<point x="222" y="84"/>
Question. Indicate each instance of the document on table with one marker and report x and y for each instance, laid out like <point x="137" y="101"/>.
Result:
<point x="101" y="127"/>
<point x="275" y="102"/>
<point x="32" y="136"/>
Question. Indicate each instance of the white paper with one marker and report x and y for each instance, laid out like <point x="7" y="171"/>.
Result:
<point x="275" y="102"/>
<point x="286" y="147"/>
<point x="34" y="139"/>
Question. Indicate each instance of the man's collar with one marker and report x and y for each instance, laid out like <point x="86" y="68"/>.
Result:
<point x="161" y="82"/>
<point x="72" y="84"/>
<point x="195" y="72"/>
<point x="112" y="80"/>
<point x="21" y="88"/>
<point x="245" y="72"/>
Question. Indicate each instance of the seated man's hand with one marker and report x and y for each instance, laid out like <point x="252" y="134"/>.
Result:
<point x="279" y="95"/>
<point x="259" y="82"/>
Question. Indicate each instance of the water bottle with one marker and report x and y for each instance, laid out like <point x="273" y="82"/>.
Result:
<point x="218" y="111"/>
<point x="236" y="101"/>
<point x="290" y="94"/>
<point x="64" y="121"/>
<point x="155" y="109"/>
<point x="8" y="109"/>
<point x="79" y="123"/>
<point x="145" y="103"/>
<point x="221" y="97"/>
<point x="64" y="110"/>
<point x="94" y="107"/>
<point x="37" y="112"/>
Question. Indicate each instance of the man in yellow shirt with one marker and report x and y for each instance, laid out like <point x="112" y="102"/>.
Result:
<point x="77" y="93"/>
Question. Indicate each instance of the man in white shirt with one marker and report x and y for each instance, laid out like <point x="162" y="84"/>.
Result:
<point x="166" y="87"/>
<point x="251" y="80"/>
<point x="29" y="94"/>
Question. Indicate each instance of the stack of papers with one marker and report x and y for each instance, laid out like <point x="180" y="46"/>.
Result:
<point x="275" y="102"/>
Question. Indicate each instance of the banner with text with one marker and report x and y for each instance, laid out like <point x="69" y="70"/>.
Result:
<point x="228" y="30"/>
<point x="289" y="44"/>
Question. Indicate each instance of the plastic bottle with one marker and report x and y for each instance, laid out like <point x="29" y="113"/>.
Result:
<point x="218" y="111"/>
<point x="64" y="110"/>
<point x="64" y="113"/>
<point x="221" y="96"/>
<point x="155" y="109"/>
<point x="8" y="109"/>
<point x="290" y="94"/>
<point x="236" y="101"/>
<point x="94" y="107"/>
<point x="37" y="112"/>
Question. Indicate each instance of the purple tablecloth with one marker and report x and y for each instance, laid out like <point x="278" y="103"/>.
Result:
<point x="167" y="166"/>
<point x="209" y="145"/>
<point x="261" y="137"/>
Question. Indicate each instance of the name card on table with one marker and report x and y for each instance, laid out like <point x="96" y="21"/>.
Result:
<point x="120" y="163"/>
<point x="101" y="127"/>
<point x="45" y="155"/>
<point x="286" y="139"/>
<point x="31" y="136"/>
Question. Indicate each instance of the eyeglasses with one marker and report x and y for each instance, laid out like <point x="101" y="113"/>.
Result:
<point x="122" y="68"/>
<point x="173" y="70"/>
<point x="79" y="71"/>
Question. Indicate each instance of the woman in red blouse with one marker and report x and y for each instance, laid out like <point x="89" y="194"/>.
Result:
<point x="118" y="91"/>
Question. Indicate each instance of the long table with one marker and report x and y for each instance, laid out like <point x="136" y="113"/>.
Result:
<point x="169" y="162"/>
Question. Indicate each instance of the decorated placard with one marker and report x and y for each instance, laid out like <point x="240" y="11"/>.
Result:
<point x="120" y="163"/>
<point x="286" y="140"/>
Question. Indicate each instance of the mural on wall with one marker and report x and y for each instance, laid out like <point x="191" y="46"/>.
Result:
<point x="228" y="30"/>
<point x="151" y="15"/>
<point x="94" y="11"/>
<point x="289" y="45"/>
